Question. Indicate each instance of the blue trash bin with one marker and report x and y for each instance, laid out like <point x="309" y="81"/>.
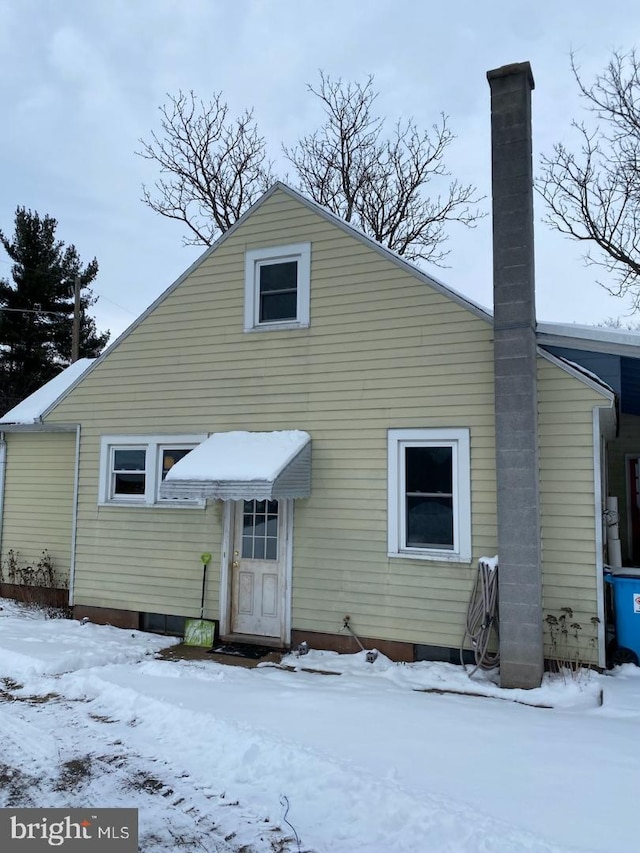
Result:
<point x="626" y="607"/>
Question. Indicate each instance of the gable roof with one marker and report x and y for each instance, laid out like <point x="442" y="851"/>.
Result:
<point x="391" y="256"/>
<point x="32" y="408"/>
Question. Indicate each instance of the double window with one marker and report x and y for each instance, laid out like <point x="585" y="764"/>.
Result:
<point x="429" y="494"/>
<point x="132" y="468"/>
<point x="277" y="287"/>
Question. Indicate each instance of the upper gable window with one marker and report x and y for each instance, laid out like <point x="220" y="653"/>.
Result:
<point x="277" y="287"/>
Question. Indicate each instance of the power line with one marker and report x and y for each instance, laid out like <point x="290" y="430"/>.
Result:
<point x="99" y="295"/>
<point x="35" y="311"/>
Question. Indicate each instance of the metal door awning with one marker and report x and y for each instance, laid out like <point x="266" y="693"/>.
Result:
<point x="244" y="466"/>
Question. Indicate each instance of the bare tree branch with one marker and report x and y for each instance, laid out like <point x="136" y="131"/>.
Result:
<point x="379" y="182"/>
<point x="594" y="195"/>
<point x="215" y="166"/>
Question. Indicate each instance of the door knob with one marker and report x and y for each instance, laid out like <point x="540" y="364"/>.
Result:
<point x="235" y="564"/>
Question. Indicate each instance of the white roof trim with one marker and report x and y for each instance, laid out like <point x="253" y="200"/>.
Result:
<point x="593" y="338"/>
<point x="475" y="308"/>
<point x="244" y="465"/>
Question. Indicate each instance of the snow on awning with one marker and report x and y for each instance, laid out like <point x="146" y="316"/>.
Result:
<point x="244" y="465"/>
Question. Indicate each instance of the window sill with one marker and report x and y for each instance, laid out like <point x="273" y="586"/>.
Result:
<point x="432" y="556"/>
<point x="159" y="505"/>
<point x="277" y="327"/>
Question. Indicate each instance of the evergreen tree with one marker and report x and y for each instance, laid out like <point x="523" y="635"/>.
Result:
<point x="36" y="307"/>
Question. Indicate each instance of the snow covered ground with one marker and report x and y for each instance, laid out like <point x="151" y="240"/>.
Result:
<point x="362" y="760"/>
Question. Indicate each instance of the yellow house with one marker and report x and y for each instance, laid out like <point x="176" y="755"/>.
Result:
<point x="357" y="367"/>
<point x="344" y="435"/>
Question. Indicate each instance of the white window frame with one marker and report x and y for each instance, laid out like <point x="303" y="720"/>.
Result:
<point x="153" y="445"/>
<point x="254" y="258"/>
<point x="459" y="441"/>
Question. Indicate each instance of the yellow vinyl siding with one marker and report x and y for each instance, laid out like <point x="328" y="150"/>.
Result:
<point x="38" y="498"/>
<point x="567" y="498"/>
<point x="384" y="350"/>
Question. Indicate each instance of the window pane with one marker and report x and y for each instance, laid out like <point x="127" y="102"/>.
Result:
<point x="170" y="457"/>
<point x="429" y="522"/>
<point x="260" y="530"/>
<point x="128" y="484"/>
<point x="272" y="549"/>
<point x="282" y="276"/>
<point x="272" y="525"/>
<point x="429" y="469"/>
<point x="129" y="460"/>
<point x="278" y="306"/>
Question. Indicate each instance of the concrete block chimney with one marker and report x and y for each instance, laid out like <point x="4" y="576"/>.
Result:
<point x="516" y="399"/>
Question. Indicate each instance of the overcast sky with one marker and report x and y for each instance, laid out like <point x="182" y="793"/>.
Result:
<point x="81" y="82"/>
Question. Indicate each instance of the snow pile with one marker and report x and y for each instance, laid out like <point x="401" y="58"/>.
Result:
<point x="32" y="644"/>
<point x="366" y="761"/>
<point x="433" y="676"/>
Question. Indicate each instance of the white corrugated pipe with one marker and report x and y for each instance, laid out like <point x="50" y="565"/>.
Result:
<point x="612" y="519"/>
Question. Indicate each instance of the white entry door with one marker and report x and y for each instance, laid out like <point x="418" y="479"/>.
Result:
<point x="258" y="582"/>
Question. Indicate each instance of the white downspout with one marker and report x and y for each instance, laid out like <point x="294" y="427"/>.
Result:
<point x="3" y="468"/>
<point x="74" y="519"/>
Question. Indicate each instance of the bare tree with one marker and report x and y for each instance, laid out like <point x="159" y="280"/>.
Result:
<point x="378" y="182"/>
<point x="215" y="165"/>
<point x="594" y="195"/>
<point x="215" y="168"/>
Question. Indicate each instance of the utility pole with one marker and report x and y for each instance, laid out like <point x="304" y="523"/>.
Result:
<point x="75" y="334"/>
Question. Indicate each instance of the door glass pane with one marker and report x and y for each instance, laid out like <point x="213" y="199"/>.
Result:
<point x="247" y="547"/>
<point x="272" y="548"/>
<point x="260" y="530"/>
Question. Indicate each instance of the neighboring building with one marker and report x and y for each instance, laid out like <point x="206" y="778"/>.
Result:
<point x="343" y="404"/>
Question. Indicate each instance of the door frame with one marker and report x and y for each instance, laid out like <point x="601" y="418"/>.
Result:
<point x="628" y="457"/>
<point x="226" y="576"/>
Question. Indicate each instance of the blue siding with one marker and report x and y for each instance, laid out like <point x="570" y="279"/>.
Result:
<point x="630" y="397"/>
<point x="605" y="366"/>
<point x="620" y="372"/>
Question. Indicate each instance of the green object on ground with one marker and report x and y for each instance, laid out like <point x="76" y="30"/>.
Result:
<point x="200" y="632"/>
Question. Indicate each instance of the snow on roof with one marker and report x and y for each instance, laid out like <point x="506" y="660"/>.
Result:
<point x="589" y="373"/>
<point x="32" y="408"/>
<point x="592" y="337"/>
<point x="240" y="456"/>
